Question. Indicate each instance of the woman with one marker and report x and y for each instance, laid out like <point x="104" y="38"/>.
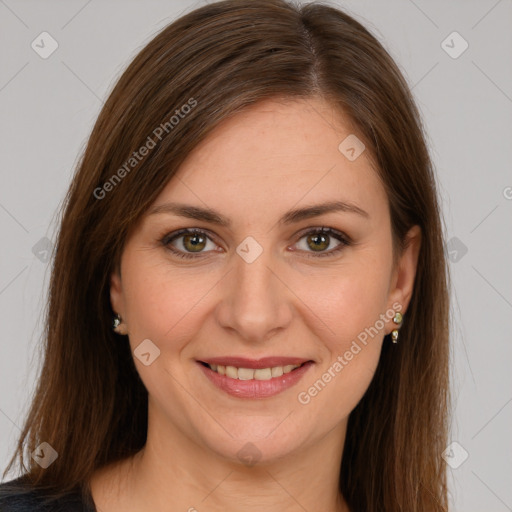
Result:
<point x="248" y="306"/>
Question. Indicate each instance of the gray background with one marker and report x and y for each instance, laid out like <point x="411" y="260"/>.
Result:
<point x="48" y="106"/>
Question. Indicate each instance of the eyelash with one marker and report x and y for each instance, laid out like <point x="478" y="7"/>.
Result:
<point x="344" y="239"/>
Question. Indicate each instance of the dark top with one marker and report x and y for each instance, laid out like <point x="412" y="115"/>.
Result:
<point x="18" y="496"/>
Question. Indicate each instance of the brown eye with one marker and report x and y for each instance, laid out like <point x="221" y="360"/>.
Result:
<point x="318" y="241"/>
<point x="195" y="242"/>
<point x="186" y="242"/>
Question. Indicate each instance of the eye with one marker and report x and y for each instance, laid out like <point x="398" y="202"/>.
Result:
<point x="185" y="242"/>
<point x="319" y="239"/>
<point x="192" y="243"/>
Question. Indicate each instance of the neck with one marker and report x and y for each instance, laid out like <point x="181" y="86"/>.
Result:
<point x="174" y="470"/>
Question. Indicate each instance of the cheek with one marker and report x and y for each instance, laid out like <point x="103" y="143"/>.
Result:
<point x="345" y="303"/>
<point x="348" y="322"/>
<point x="163" y="304"/>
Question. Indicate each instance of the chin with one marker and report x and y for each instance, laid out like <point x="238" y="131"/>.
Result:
<point x="256" y="440"/>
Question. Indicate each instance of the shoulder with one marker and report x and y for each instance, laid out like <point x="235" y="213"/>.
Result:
<point x="18" y="496"/>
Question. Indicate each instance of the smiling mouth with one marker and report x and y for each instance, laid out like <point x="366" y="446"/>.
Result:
<point x="269" y="373"/>
<point x="268" y="376"/>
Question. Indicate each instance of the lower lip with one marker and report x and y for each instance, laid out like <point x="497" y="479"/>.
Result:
<point x="256" y="388"/>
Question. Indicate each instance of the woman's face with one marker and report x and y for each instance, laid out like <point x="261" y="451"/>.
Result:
<point x="263" y="284"/>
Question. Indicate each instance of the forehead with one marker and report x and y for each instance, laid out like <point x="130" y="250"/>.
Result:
<point x="279" y="153"/>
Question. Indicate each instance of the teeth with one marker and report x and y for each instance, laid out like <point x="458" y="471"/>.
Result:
<point x="232" y="372"/>
<point x="244" y="374"/>
<point x="277" y="371"/>
<point x="261" y="373"/>
<point x="250" y="373"/>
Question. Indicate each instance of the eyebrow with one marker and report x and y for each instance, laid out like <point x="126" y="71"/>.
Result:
<point x="290" y="217"/>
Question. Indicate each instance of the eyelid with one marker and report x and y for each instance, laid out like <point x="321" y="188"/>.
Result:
<point x="324" y="229"/>
<point x="169" y="237"/>
<point x="343" y="239"/>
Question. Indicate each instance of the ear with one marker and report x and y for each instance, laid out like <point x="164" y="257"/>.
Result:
<point x="402" y="281"/>
<point x="116" y="293"/>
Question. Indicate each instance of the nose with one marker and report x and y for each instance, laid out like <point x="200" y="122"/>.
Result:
<point x="256" y="302"/>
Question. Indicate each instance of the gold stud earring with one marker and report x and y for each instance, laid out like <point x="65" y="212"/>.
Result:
<point x="398" y="321"/>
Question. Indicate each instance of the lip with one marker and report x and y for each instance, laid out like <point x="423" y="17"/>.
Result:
<point x="253" y="388"/>
<point x="264" y="362"/>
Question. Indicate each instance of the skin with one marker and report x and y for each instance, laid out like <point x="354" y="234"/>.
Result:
<point x="273" y="157"/>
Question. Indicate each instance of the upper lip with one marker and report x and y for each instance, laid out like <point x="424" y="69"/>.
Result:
<point x="264" y="362"/>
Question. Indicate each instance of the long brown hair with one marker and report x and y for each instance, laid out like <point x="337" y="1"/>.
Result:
<point x="90" y="404"/>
